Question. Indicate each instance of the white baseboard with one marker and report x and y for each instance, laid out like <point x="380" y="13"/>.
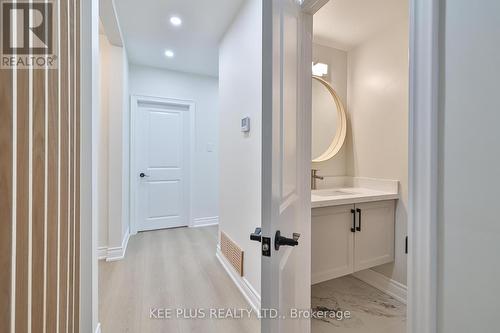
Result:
<point x="114" y="253"/>
<point x="98" y="328"/>
<point x="383" y="283"/>
<point x="204" y="221"/>
<point x="247" y="290"/>
<point x="102" y="252"/>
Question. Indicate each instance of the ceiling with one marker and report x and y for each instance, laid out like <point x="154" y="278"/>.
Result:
<point x="344" y="24"/>
<point x="147" y="32"/>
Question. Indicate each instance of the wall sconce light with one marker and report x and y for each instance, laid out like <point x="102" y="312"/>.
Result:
<point x="319" y="69"/>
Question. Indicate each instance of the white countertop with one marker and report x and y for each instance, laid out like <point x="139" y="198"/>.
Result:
<point x="348" y="195"/>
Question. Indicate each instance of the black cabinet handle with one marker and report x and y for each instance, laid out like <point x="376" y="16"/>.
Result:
<point x="358" y="228"/>
<point x="353" y="228"/>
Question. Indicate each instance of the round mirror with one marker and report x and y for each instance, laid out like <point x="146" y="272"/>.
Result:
<point x="329" y="121"/>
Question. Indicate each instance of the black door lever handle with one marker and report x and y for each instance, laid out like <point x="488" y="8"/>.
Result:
<point x="280" y="240"/>
<point x="257" y="235"/>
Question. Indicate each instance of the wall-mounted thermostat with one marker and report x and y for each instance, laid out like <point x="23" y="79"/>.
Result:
<point x="245" y="125"/>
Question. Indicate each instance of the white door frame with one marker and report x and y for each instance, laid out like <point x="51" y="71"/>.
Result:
<point x="189" y="172"/>
<point x="89" y="105"/>
<point x="423" y="166"/>
<point x="423" y="156"/>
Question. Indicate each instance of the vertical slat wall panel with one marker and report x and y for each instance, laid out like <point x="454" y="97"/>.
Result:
<point x="64" y="146"/>
<point x="6" y="113"/>
<point x="38" y="193"/>
<point x="52" y="202"/>
<point x="22" y="201"/>
<point x="39" y="186"/>
<point x="54" y="167"/>
<point x="76" y="285"/>
<point x="71" y="86"/>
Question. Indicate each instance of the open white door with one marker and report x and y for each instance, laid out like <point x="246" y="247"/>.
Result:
<point x="286" y="161"/>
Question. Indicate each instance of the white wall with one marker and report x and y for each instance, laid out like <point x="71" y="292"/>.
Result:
<point x="125" y="146"/>
<point x="102" y="133"/>
<point x="337" y="77"/>
<point x="113" y="145"/>
<point x="240" y="83"/>
<point x="377" y="145"/>
<point x="203" y="90"/>
<point x="117" y="164"/>
<point x="469" y="157"/>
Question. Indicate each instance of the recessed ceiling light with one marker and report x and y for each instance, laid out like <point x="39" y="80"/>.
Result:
<point x="176" y="21"/>
<point x="169" y="54"/>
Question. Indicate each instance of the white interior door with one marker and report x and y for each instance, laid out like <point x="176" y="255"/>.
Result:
<point x="162" y="152"/>
<point x="286" y="197"/>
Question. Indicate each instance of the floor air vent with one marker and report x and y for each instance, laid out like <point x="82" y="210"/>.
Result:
<point x="232" y="252"/>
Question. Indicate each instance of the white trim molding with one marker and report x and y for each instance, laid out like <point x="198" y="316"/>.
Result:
<point x="89" y="104"/>
<point x="118" y="253"/>
<point x="102" y="252"/>
<point x="247" y="290"/>
<point x="423" y="166"/>
<point x="312" y="6"/>
<point x="383" y="283"/>
<point x="114" y="253"/>
<point x="204" y="221"/>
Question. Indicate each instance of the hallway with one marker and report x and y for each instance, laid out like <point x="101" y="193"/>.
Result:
<point x="169" y="269"/>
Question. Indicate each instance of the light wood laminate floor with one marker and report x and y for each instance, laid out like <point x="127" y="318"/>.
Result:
<point x="174" y="268"/>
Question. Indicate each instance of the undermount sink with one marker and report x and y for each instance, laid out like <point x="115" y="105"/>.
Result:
<point x="331" y="193"/>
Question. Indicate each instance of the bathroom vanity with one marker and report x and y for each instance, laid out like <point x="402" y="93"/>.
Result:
<point x="352" y="227"/>
<point x="353" y="218"/>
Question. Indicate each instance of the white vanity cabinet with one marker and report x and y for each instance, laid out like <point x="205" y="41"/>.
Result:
<point x="353" y="237"/>
<point x="374" y="241"/>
